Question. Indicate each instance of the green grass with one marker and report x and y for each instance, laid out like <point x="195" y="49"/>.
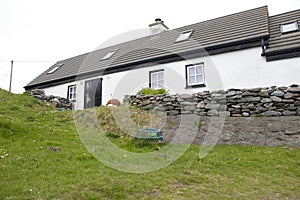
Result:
<point x="42" y="157"/>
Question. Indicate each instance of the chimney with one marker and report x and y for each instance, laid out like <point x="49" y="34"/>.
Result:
<point x="157" y="27"/>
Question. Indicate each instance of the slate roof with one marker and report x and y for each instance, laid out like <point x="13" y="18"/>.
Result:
<point x="280" y="43"/>
<point x="228" y="32"/>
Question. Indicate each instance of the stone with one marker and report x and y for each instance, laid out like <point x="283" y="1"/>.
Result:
<point x="260" y="109"/>
<point x="146" y="102"/>
<point x="276" y="99"/>
<point x="231" y="93"/>
<point x="212" y="106"/>
<point x="255" y="89"/>
<point x="186" y="96"/>
<point x="251" y="99"/>
<point x="247" y="93"/>
<point x="289" y="95"/>
<point x="245" y="114"/>
<point x="270" y="113"/>
<point x="212" y="113"/>
<point x="189" y="108"/>
<point x="201" y="105"/>
<point x="288" y="101"/>
<point x="277" y="93"/>
<point x="294" y="89"/>
<point x="297" y="103"/>
<point x="282" y="88"/>
<point x="169" y="99"/>
<point x="289" y="113"/>
<point x="266" y="100"/>
<point x="235" y="97"/>
<point x="292" y="107"/>
<point x="263" y="94"/>
<point x="187" y="103"/>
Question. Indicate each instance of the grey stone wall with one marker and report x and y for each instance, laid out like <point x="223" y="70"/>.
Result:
<point x="59" y="103"/>
<point x="268" y="101"/>
<point x="267" y="116"/>
<point x="258" y="131"/>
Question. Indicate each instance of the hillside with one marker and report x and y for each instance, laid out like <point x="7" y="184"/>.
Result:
<point x="42" y="157"/>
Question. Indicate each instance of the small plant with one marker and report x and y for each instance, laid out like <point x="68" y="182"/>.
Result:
<point x="199" y="124"/>
<point x="148" y="90"/>
<point x="112" y="135"/>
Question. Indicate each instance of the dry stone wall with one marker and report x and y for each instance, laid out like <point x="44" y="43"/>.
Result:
<point x="267" y="101"/>
<point x="59" y="103"/>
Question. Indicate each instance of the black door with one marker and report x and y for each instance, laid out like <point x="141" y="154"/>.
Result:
<point x="93" y="93"/>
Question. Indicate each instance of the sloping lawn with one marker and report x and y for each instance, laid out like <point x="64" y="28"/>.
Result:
<point x="42" y="157"/>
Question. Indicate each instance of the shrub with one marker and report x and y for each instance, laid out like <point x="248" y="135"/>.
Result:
<point x="148" y="90"/>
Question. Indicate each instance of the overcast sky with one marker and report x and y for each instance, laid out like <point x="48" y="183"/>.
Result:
<point x="37" y="33"/>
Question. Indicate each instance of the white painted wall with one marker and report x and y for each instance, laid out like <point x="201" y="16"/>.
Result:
<point x="238" y="69"/>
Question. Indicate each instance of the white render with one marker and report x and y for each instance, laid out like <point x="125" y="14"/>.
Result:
<point x="237" y="69"/>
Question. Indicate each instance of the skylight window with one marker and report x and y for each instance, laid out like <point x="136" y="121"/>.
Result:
<point x="185" y="35"/>
<point x="109" y="54"/>
<point x="289" y="27"/>
<point x="56" y="67"/>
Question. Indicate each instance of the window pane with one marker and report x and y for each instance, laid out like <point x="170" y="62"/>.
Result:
<point x="198" y="70"/>
<point x="74" y="96"/>
<point x="191" y="79"/>
<point x="191" y="71"/>
<point x="199" y="79"/>
<point x="160" y="76"/>
<point x="161" y="84"/>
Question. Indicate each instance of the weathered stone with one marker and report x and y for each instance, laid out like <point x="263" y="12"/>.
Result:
<point x="255" y="89"/>
<point x="271" y="113"/>
<point x="251" y="99"/>
<point x="292" y="108"/>
<point x="235" y="97"/>
<point x="276" y="99"/>
<point x="190" y="108"/>
<point x="231" y="93"/>
<point x="289" y="113"/>
<point x="263" y="94"/>
<point x="288" y="101"/>
<point x="186" y="96"/>
<point x="294" y="89"/>
<point x="201" y="105"/>
<point x="247" y="93"/>
<point x="260" y="109"/>
<point x="212" y="113"/>
<point x="169" y="99"/>
<point x="245" y="114"/>
<point x="282" y="88"/>
<point x="212" y="106"/>
<point x="187" y="103"/>
<point x="146" y="102"/>
<point x="236" y="115"/>
<point x="277" y="93"/>
<point x="297" y="103"/>
<point x="266" y="100"/>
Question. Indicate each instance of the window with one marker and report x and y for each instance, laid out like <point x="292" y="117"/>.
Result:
<point x="289" y="27"/>
<point x="184" y="36"/>
<point x="72" y="92"/>
<point x="109" y="54"/>
<point x="55" y="67"/>
<point x="157" y="79"/>
<point x="195" y="75"/>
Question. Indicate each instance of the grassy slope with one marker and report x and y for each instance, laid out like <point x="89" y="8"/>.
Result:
<point x="32" y="171"/>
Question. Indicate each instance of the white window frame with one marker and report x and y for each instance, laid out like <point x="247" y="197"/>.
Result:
<point x="109" y="54"/>
<point x="185" y="35"/>
<point x="289" y="27"/>
<point x="72" y="92"/>
<point x="156" y="79"/>
<point x="194" y="75"/>
<point x="56" y="67"/>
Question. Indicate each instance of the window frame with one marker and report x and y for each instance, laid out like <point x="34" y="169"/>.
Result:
<point x="55" y="68"/>
<point x="178" y="39"/>
<point x="289" y="23"/>
<point x="156" y="72"/>
<point x="69" y="92"/>
<point x="109" y="54"/>
<point x="195" y="85"/>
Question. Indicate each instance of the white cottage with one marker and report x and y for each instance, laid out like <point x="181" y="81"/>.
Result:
<point x="243" y="50"/>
